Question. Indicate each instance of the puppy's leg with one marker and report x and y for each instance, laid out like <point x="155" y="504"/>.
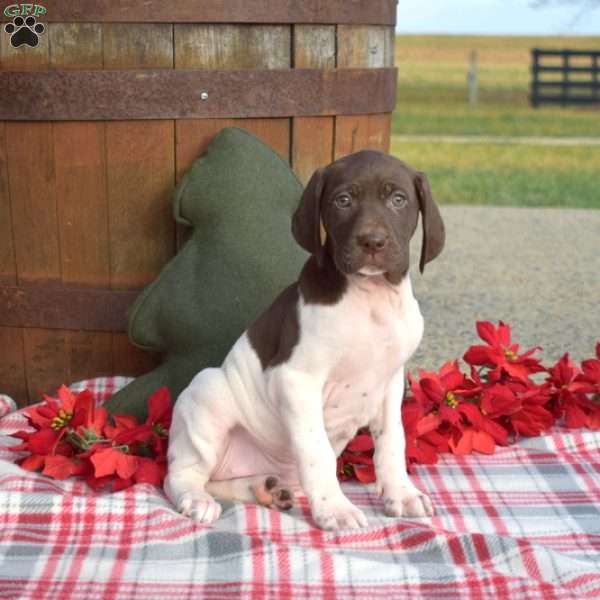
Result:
<point x="301" y="405"/>
<point x="266" y="490"/>
<point x="400" y="497"/>
<point x="202" y="417"/>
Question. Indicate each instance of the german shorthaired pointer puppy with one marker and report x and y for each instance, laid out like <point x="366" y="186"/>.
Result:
<point x="326" y="358"/>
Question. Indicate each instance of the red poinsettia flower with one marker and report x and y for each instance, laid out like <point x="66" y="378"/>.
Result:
<point x="443" y="393"/>
<point x="500" y="354"/>
<point x="72" y="436"/>
<point x="569" y="395"/>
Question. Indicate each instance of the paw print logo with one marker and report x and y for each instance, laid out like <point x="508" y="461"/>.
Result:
<point x="24" y="31"/>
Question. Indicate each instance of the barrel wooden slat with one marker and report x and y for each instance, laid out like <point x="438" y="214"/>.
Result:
<point x="314" y="47"/>
<point x="360" y="132"/>
<point x="75" y="45"/>
<point x="138" y="46"/>
<point x="232" y="46"/>
<point x="8" y="268"/>
<point x="365" y="46"/>
<point x="312" y="145"/>
<point x="140" y="173"/>
<point x="218" y="11"/>
<point x="82" y="208"/>
<point x="35" y="225"/>
<point x="12" y="365"/>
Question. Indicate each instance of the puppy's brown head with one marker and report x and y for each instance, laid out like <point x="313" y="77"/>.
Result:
<point x="362" y="210"/>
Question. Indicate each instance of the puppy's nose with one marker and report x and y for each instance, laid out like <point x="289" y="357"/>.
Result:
<point x="373" y="242"/>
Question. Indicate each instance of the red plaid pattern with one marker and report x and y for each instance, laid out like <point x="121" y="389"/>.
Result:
<point x="522" y="523"/>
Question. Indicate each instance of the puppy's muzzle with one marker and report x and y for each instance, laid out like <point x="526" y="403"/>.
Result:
<point x="372" y="242"/>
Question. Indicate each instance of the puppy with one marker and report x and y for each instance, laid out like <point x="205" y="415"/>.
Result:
<point x="326" y="358"/>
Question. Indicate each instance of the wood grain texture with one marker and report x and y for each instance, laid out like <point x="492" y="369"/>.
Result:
<point x="232" y="46"/>
<point x="140" y="167"/>
<point x="368" y="46"/>
<point x="33" y="200"/>
<point x="79" y="150"/>
<point x="75" y="45"/>
<point x="47" y="361"/>
<point x="89" y="354"/>
<point x="65" y="307"/>
<point x="133" y="46"/>
<point x="312" y="145"/>
<point x="361" y="132"/>
<point x="12" y="365"/>
<point x="82" y="206"/>
<point x="140" y="172"/>
<point x="314" y="47"/>
<point x="177" y="93"/>
<point x="129" y="360"/>
<point x="32" y="190"/>
<point x="8" y="267"/>
<point x="220" y="11"/>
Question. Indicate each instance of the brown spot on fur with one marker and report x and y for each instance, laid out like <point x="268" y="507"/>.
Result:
<point x="321" y="285"/>
<point x="275" y="333"/>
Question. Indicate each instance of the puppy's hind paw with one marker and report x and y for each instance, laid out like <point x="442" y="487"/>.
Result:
<point x="200" y="506"/>
<point x="269" y="492"/>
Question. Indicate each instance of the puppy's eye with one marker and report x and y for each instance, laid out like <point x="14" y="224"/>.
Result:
<point x="343" y="201"/>
<point x="398" y="199"/>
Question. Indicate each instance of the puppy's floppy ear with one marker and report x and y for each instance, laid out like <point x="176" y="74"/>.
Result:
<point x="433" y="227"/>
<point x="306" y="222"/>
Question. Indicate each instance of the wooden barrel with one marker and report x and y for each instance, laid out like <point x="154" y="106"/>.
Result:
<point x="104" y="115"/>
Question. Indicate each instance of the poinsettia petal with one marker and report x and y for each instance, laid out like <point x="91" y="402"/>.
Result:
<point x="480" y="355"/>
<point x="464" y="445"/>
<point x="483" y="442"/>
<point x="127" y="465"/>
<point x="428" y="423"/>
<point x="67" y="398"/>
<point x="33" y="462"/>
<point x="58" y="467"/>
<point x="160" y="407"/>
<point x="365" y="474"/>
<point x="43" y="442"/>
<point x="149" y="471"/>
<point x="361" y="443"/>
<point x="105" y="462"/>
<point x="487" y="332"/>
<point x="504" y="334"/>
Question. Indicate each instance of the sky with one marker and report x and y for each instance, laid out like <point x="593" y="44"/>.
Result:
<point x="516" y="17"/>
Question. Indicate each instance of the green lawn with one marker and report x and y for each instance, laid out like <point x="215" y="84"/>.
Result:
<point x="432" y="100"/>
<point x="505" y="174"/>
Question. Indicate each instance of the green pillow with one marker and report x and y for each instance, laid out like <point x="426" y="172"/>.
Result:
<point x="239" y="198"/>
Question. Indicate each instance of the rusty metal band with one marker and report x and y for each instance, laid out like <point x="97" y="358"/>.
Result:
<point x="193" y="93"/>
<point x="369" y="12"/>
<point x="54" y="307"/>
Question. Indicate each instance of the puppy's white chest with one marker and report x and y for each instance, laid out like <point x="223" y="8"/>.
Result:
<point x="379" y="328"/>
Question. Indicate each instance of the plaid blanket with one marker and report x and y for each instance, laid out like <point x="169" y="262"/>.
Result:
<point x="522" y="523"/>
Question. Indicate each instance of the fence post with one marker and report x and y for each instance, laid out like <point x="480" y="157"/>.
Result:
<point x="595" y="77"/>
<point x="565" y="80"/>
<point x="535" y="53"/>
<point x="472" y="77"/>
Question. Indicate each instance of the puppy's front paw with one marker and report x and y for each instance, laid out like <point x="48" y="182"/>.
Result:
<point x="407" y="502"/>
<point x="200" y="506"/>
<point x="337" y="512"/>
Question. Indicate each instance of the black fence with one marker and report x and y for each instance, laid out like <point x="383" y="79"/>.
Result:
<point x="565" y="77"/>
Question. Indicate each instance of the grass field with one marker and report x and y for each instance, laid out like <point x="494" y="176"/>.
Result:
<point x="432" y="101"/>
